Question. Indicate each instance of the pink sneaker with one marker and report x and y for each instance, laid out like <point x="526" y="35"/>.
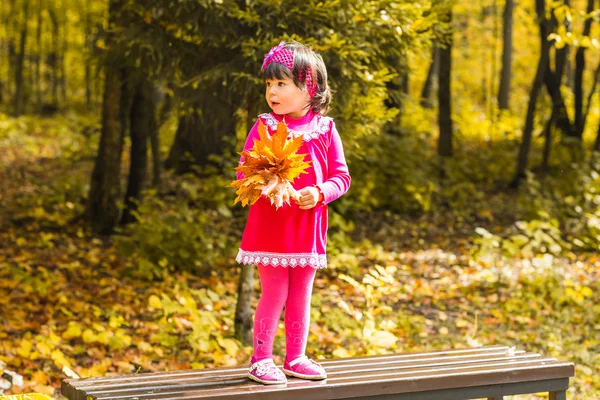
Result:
<point x="265" y="371"/>
<point x="303" y="367"/>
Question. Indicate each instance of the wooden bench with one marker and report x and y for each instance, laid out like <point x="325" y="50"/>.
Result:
<point x="487" y="372"/>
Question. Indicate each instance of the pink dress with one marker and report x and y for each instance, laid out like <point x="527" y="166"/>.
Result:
<point x="289" y="236"/>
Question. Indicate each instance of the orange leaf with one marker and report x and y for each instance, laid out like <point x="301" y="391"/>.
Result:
<point x="270" y="167"/>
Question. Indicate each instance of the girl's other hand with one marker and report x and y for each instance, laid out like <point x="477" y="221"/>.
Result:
<point x="310" y="196"/>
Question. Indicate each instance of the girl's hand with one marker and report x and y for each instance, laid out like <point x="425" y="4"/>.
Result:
<point x="310" y="196"/>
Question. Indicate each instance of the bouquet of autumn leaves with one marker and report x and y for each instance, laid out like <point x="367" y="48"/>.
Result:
<point x="270" y="167"/>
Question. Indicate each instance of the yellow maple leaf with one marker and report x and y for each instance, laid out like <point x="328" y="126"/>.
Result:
<point x="270" y="168"/>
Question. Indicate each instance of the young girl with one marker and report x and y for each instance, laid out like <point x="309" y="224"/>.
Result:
<point x="288" y="244"/>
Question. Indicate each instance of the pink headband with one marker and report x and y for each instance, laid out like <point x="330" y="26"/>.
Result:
<point x="280" y="55"/>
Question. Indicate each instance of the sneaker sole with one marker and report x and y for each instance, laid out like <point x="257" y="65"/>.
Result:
<point x="255" y="379"/>
<point x="302" y="376"/>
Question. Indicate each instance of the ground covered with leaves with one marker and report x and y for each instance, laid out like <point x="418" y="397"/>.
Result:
<point x="72" y="305"/>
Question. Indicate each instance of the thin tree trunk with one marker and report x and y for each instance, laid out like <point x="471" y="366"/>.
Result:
<point x="562" y="55"/>
<point x="444" y="95"/>
<point x="243" y="309"/>
<point x="53" y="56"/>
<point x="523" y="157"/>
<point x="597" y="144"/>
<point x="547" y="143"/>
<point x="157" y="166"/>
<point x="552" y="80"/>
<point x="579" y="69"/>
<point x="63" y="64"/>
<point x="143" y="123"/>
<point x="591" y="95"/>
<point x="493" y="74"/>
<point x="507" y="50"/>
<point x="88" y="46"/>
<point x="428" y="87"/>
<point x="394" y="95"/>
<point x="38" y="73"/>
<point x="12" y="51"/>
<point x="4" y="48"/>
<point x="167" y="106"/>
<point x="19" y="95"/>
<point x="105" y="187"/>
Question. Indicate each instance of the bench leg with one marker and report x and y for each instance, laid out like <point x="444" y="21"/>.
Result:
<point x="561" y="395"/>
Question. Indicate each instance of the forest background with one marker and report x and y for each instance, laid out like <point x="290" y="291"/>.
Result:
<point x="472" y="134"/>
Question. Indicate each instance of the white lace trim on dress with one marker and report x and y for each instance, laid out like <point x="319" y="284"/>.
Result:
<point x="323" y="126"/>
<point x="282" y="259"/>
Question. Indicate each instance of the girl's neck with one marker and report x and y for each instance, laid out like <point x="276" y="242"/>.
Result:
<point x="298" y="117"/>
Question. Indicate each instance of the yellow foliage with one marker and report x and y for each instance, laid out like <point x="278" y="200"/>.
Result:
<point x="383" y="339"/>
<point x="154" y="302"/>
<point x="73" y="331"/>
<point x="25" y="349"/>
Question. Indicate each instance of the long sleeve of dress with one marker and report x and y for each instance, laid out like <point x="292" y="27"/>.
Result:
<point x="338" y="178"/>
<point x="253" y="134"/>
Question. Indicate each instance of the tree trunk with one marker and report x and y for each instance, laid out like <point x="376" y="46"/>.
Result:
<point x="547" y="143"/>
<point x="562" y="55"/>
<point x="243" y="309"/>
<point x="19" y="82"/>
<point x="4" y="48"/>
<point x="38" y="64"/>
<point x="428" y="87"/>
<point x="507" y="50"/>
<point x="591" y="95"/>
<point x="167" y="105"/>
<point x="552" y="81"/>
<point x="579" y="69"/>
<point x="157" y="166"/>
<point x="394" y="95"/>
<point x="11" y="27"/>
<point x="597" y="144"/>
<point x="523" y="157"/>
<point x="200" y="133"/>
<point x="143" y="124"/>
<point x="53" y="56"/>
<point x="105" y="187"/>
<point x="444" y="96"/>
<point x="89" y="47"/>
<point x="63" y="57"/>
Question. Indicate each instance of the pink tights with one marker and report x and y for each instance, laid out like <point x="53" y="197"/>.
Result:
<point x="283" y="287"/>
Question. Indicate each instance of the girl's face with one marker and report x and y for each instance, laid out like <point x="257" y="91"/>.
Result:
<point x="285" y="98"/>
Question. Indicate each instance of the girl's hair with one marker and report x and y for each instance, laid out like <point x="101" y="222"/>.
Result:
<point x="304" y="58"/>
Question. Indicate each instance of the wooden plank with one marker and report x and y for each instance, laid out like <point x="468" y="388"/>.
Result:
<point x="477" y="392"/>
